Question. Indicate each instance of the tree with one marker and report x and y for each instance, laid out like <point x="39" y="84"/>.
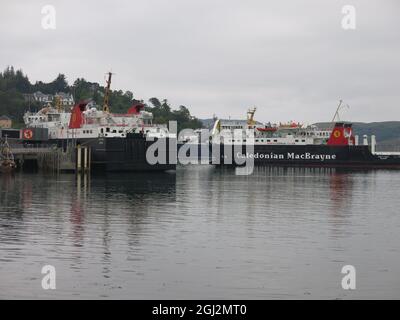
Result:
<point x="11" y="79"/>
<point x="128" y="95"/>
<point x="155" y="102"/>
<point x="81" y="90"/>
<point x="59" y="84"/>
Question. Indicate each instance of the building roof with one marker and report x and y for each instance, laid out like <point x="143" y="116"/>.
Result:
<point x="64" y="95"/>
<point x="39" y="93"/>
<point x="4" y="118"/>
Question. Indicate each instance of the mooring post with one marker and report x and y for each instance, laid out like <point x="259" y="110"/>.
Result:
<point x="373" y="143"/>
<point x="365" y="142"/>
<point x="78" y="157"/>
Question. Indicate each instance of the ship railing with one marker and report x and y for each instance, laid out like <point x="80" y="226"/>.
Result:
<point x="27" y="147"/>
<point x="387" y="148"/>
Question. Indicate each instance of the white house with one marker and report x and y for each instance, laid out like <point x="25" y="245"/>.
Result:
<point x="42" y="97"/>
<point x="66" y="98"/>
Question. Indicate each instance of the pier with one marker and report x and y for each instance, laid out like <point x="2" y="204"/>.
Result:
<point x="378" y="149"/>
<point x="53" y="158"/>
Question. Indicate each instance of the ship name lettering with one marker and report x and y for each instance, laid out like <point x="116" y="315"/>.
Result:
<point x="310" y="156"/>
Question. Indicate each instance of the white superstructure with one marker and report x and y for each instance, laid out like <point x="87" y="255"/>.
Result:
<point x="270" y="134"/>
<point x="95" y="123"/>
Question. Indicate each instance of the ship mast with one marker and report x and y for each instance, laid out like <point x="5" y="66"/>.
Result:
<point x="250" y="116"/>
<point x="106" y="107"/>
<point x="58" y="103"/>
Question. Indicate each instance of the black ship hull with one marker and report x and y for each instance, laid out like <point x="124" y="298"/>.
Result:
<point x="303" y="155"/>
<point x="123" y="154"/>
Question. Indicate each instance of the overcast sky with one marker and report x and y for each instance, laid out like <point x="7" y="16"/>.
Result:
<point x="291" y="59"/>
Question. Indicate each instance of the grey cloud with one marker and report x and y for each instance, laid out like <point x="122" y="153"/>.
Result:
<point x="291" y="59"/>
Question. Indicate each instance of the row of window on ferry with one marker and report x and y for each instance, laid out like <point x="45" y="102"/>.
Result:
<point x="264" y="140"/>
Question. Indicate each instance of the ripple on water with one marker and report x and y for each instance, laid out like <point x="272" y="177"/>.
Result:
<point x="201" y="233"/>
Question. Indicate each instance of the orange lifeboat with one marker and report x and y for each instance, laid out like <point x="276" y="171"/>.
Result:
<point x="268" y="129"/>
<point x="290" y="125"/>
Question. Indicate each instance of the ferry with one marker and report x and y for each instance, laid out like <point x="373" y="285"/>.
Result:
<point x="293" y="144"/>
<point x="117" y="142"/>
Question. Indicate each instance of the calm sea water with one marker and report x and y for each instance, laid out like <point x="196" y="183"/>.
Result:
<point x="202" y="233"/>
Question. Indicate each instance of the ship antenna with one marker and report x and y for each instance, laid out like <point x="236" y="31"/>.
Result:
<point x="336" y="115"/>
<point x="106" y="107"/>
<point x="340" y="106"/>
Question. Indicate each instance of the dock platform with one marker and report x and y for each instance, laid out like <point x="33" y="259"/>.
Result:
<point x="52" y="158"/>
